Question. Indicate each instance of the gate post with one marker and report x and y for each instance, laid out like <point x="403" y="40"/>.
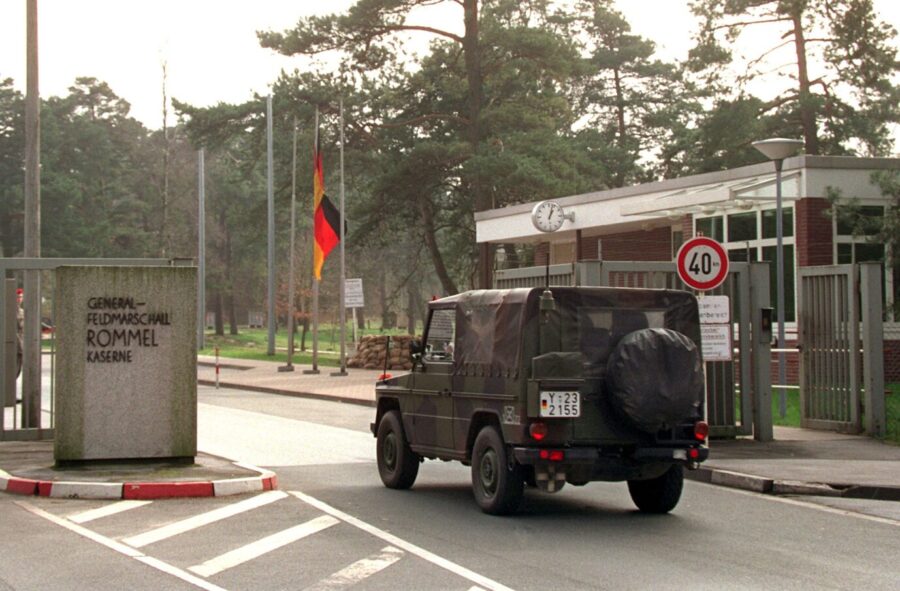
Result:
<point x="762" y="353"/>
<point x="872" y="347"/>
<point x="8" y="342"/>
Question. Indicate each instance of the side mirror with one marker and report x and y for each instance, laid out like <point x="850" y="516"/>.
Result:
<point x="415" y="352"/>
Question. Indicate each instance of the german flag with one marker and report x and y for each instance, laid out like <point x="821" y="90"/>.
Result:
<point x="326" y="218"/>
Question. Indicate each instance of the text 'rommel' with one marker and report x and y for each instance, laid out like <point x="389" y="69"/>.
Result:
<point x="113" y="336"/>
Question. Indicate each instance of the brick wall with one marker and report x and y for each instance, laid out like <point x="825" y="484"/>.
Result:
<point x="687" y="227"/>
<point x="640" y="245"/>
<point x="589" y="248"/>
<point x="814" y="232"/>
<point x="541" y="253"/>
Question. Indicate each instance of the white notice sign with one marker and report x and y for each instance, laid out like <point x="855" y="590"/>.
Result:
<point x="716" y="342"/>
<point x="714" y="309"/>
<point x="353" y="293"/>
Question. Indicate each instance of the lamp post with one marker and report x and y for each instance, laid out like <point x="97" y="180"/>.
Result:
<point x="777" y="149"/>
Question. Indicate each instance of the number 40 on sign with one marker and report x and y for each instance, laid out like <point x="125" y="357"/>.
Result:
<point x="702" y="263"/>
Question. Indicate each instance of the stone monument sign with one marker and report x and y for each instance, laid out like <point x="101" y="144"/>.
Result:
<point x="126" y="368"/>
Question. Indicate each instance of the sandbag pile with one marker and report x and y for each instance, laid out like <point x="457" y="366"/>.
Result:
<point x="371" y="351"/>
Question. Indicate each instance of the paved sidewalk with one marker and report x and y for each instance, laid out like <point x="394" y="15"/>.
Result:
<point x="799" y="461"/>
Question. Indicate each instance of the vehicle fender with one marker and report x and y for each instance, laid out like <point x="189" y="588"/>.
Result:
<point x="481" y="419"/>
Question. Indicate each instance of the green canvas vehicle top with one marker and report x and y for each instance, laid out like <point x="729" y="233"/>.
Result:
<point x="548" y="387"/>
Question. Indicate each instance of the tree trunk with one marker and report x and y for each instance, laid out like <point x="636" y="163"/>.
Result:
<point x="220" y="322"/>
<point x="431" y="243"/>
<point x="807" y="100"/>
<point x="232" y="312"/>
<point x="229" y="277"/>
<point x="305" y="323"/>
<point x="620" y="131"/>
<point x="475" y="99"/>
<point x="412" y="305"/>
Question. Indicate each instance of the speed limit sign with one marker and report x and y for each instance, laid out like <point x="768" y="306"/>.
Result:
<point x="702" y="263"/>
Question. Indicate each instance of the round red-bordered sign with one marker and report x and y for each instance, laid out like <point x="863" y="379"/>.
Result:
<point x="702" y="263"/>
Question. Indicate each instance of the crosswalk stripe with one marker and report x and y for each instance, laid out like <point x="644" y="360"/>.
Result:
<point x="106" y="511"/>
<point x="359" y="570"/>
<point x="402" y="544"/>
<point x="268" y="544"/>
<point x="121" y="548"/>
<point x="179" y="527"/>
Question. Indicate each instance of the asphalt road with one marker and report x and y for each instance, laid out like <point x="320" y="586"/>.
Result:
<point x="332" y="525"/>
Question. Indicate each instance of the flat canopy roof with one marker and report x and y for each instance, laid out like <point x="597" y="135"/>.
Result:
<point x="663" y="202"/>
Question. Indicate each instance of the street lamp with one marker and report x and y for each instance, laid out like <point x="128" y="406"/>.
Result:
<point x="777" y="149"/>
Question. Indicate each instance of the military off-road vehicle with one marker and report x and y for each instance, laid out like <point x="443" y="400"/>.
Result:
<point x="547" y="387"/>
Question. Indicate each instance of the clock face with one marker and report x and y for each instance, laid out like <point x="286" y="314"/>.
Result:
<point x="547" y="216"/>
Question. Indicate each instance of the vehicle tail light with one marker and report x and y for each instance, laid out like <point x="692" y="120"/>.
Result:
<point x="554" y="455"/>
<point x="694" y="453"/>
<point x="538" y="431"/>
<point x="701" y="430"/>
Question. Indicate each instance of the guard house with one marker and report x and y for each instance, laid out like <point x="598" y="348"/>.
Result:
<point x="736" y="207"/>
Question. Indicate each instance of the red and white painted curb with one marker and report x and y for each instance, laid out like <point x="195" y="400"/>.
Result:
<point x="266" y="480"/>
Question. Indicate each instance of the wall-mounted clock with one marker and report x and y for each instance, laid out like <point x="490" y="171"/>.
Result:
<point x="548" y="216"/>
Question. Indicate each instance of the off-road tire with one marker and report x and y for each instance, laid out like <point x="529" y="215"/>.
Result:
<point x="660" y="494"/>
<point x="497" y="483"/>
<point x="398" y="465"/>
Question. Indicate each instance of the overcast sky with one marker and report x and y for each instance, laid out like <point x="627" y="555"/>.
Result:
<point x="211" y="49"/>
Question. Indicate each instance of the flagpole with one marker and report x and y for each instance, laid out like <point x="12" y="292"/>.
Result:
<point x="270" y="200"/>
<point x="290" y="353"/>
<point x="315" y="282"/>
<point x="343" y="314"/>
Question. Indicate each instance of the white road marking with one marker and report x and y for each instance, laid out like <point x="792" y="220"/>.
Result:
<point x="402" y="544"/>
<point x="121" y="548"/>
<point x="179" y="527"/>
<point x="359" y="570"/>
<point x="268" y="544"/>
<point x="808" y="505"/>
<point x="107" y="510"/>
<point x="277" y="441"/>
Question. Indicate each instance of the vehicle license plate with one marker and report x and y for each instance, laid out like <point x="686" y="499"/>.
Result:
<point x="560" y="404"/>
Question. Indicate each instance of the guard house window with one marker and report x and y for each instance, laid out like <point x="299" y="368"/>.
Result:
<point x="711" y="227"/>
<point x="768" y="222"/>
<point x="441" y="336"/>
<point x="854" y="242"/>
<point x="751" y="237"/>
<point x="866" y="223"/>
<point x="860" y="253"/>
<point x="742" y="226"/>
<point x="747" y="254"/>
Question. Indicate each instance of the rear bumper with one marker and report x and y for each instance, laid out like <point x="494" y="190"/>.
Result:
<point x="592" y="456"/>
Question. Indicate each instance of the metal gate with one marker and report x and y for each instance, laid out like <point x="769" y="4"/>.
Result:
<point x="33" y="397"/>
<point x="839" y="359"/>
<point x="738" y="390"/>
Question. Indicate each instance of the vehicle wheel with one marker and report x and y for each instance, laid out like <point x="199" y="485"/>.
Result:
<point x="497" y="485"/>
<point x="660" y="494"/>
<point x="398" y="465"/>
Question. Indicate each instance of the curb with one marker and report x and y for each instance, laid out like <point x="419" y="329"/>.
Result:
<point x="770" y="486"/>
<point x="293" y="393"/>
<point x="267" y="480"/>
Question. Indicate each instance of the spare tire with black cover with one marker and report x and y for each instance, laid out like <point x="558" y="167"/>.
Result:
<point x="655" y="378"/>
